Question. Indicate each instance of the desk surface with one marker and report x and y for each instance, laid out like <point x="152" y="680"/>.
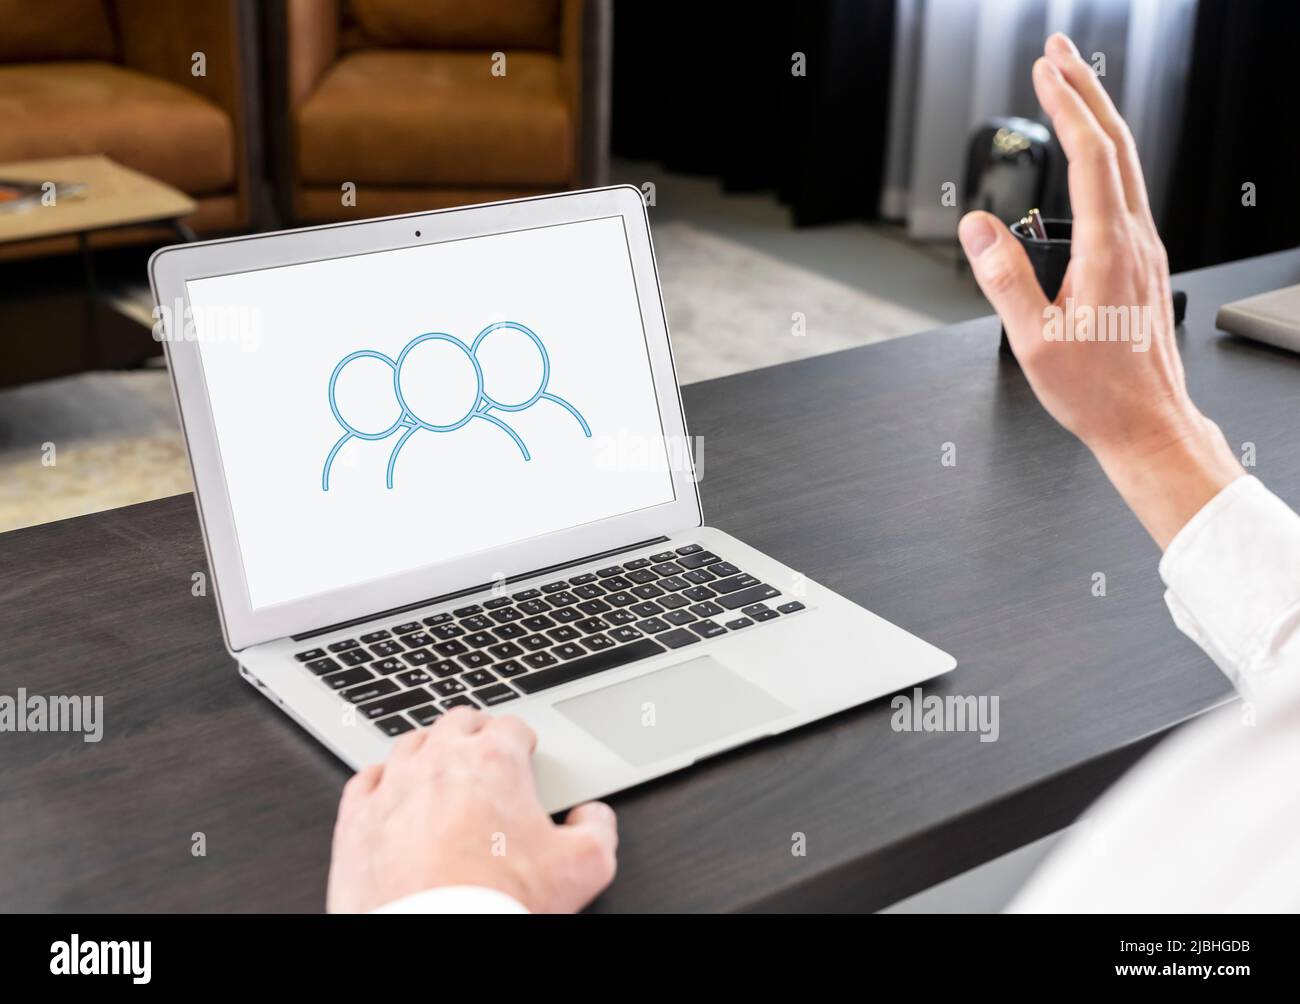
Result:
<point x="832" y="465"/>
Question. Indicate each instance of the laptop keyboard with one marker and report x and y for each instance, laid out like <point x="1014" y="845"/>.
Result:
<point x="501" y="649"/>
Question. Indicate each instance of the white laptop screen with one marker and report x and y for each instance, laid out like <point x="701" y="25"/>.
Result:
<point x="389" y="411"/>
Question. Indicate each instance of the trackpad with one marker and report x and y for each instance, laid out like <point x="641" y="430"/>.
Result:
<point x="672" y="711"/>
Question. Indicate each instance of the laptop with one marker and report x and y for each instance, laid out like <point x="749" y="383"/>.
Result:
<point x="441" y="460"/>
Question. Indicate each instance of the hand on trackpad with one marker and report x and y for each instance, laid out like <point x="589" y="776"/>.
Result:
<point x="672" y="711"/>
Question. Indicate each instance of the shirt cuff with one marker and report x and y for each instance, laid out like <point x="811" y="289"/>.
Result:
<point x="455" y="899"/>
<point x="1233" y="581"/>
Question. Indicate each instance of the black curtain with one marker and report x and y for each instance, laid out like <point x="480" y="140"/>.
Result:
<point x="1241" y="124"/>
<point x="708" y="88"/>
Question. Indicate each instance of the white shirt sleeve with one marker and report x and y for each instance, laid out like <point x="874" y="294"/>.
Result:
<point x="455" y="899"/>
<point x="1209" y="820"/>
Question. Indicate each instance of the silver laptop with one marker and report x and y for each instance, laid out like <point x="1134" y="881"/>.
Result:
<point x="441" y="460"/>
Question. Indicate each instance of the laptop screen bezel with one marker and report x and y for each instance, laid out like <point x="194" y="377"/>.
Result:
<point x="171" y="268"/>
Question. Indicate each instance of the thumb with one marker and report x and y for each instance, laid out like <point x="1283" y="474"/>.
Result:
<point x="1004" y="274"/>
<point x="593" y="832"/>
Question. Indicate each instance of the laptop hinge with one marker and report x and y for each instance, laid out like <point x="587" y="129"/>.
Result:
<point x="549" y="569"/>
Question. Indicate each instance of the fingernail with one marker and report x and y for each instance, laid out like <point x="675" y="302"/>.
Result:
<point x="976" y="235"/>
<point x="1063" y="45"/>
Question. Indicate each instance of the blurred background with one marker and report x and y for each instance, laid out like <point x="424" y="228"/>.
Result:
<point x="805" y="159"/>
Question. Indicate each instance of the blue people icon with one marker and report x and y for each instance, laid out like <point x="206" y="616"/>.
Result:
<point x="480" y="403"/>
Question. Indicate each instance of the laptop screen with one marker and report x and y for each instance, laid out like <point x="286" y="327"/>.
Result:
<point x="388" y="411"/>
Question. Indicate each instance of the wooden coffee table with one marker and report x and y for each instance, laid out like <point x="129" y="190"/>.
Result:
<point x="79" y="332"/>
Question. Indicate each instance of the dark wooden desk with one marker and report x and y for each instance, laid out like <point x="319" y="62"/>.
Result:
<point x="833" y="466"/>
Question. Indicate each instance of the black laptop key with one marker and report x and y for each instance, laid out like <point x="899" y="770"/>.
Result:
<point x="539" y="623"/>
<point x="426" y="715"/>
<point x="641" y="576"/>
<point x="532" y="608"/>
<point x="507" y="632"/>
<point x="756" y="608"/>
<point x="445" y="632"/>
<point x="435" y="620"/>
<point x="672" y="601"/>
<point x="790" y="608"/>
<point x="679" y="617"/>
<point x="664" y="556"/>
<point x="478" y="678"/>
<point x="374" y="636"/>
<point x="476" y="622"/>
<point x="766" y="615"/>
<point x="738" y="623"/>
<point x="699" y="593"/>
<point x="696" y="558"/>
<point x="475" y="659"/>
<point x="698" y="575"/>
<point x="706" y="609"/>
<point x="636" y="564"/>
<point x="394" y="725"/>
<point x="708" y="629"/>
<point x="497" y="602"/>
<point x="567" y="615"/>
<point x="468" y="611"/>
<point x="388" y="666"/>
<point x="347" y="677"/>
<point x="673" y="583"/>
<point x="526" y="594"/>
<point x="724" y="568"/>
<point x="386" y="648"/>
<point x="509" y="668"/>
<point x="598" y="662"/>
<point x="492" y="696"/>
<point x="629" y="633"/>
<point x="583" y="579"/>
<point x="369" y="691"/>
<point x="452" y="647"/>
<point x="566" y="632"/>
<point x="620" y="617"/>
<point x="590" y="626"/>
<point x="734" y="582"/>
<point x="506" y="650"/>
<point x="593" y="607"/>
<point x="414" y="678"/>
<point x="677" y="638"/>
<point x="652" y="625"/>
<point x="446" y="688"/>
<point x="564" y="599"/>
<point x="480" y="639"/>
<point x="344" y="645"/>
<point x="588" y="592"/>
<point x="666" y="569"/>
<point x="407" y="628"/>
<point x="420" y="657"/>
<point x="395" y="702"/>
<point x="505" y="615"/>
<point x="621" y="599"/>
<point x="354" y="657"/>
<point x="540" y="659"/>
<point x="605" y="573"/>
<point x="690" y="549"/>
<point x="754" y="594"/>
<point x="444" y="668"/>
<point x="322" y="666"/>
<point x="617" y="583"/>
<point x="554" y="587"/>
<point x="459" y="702"/>
<point x="647" y="609"/>
<point x="535" y="642"/>
<point x="597" y="642"/>
<point x="647" y="592"/>
<point x="417" y="639"/>
<point x="311" y="655"/>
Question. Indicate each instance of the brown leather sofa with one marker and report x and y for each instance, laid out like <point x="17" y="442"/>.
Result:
<point x="114" y="77"/>
<point x="399" y="98"/>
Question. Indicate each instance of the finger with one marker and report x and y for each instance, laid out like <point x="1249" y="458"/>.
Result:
<point x="461" y="721"/>
<point x="1096" y="192"/>
<point x="361" y="784"/>
<point x="408" y="745"/>
<point x="595" y="818"/>
<point x="592" y="831"/>
<point x="1065" y="57"/>
<point x="1004" y="274"/>
<point x="515" y="732"/>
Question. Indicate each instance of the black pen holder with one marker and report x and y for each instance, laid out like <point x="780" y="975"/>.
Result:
<point x="1050" y="258"/>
